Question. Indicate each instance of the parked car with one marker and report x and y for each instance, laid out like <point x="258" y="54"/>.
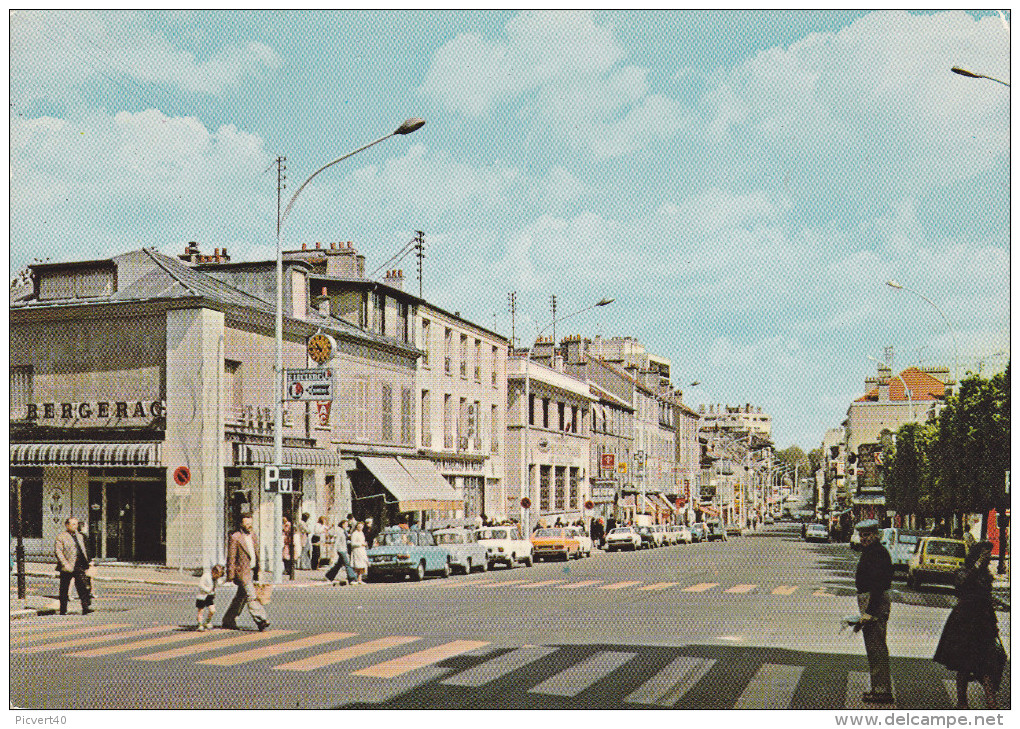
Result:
<point x="734" y="530"/>
<point x="648" y="537"/>
<point x="466" y="554"/>
<point x="583" y="539"/>
<point x="410" y="552"/>
<point x="699" y="533"/>
<point x="554" y="542"/>
<point x="816" y="532"/>
<point x="684" y="535"/>
<point x="715" y="530"/>
<point x="505" y="545"/>
<point x="623" y="538"/>
<point x="769" y="519"/>
<point x="673" y="533"/>
<point x="935" y="559"/>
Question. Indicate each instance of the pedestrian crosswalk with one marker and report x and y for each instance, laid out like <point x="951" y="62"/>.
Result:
<point x="709" y="588"/>
<point x="662" y="677"/>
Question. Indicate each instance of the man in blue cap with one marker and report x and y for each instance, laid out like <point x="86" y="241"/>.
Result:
<point x="873" y="579"/>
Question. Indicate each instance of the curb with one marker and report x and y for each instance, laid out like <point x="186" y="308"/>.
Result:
<point x="151" y="581"/>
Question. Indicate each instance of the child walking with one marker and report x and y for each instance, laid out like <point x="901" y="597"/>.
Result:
<point x="206" y="594"/>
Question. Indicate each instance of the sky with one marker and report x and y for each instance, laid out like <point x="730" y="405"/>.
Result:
<point x="742" y="183"/>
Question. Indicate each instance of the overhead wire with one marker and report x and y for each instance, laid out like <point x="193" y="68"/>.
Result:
<point x="398" y="256"/>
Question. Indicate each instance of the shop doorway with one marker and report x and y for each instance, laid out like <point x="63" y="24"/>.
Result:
<point x="127" y="514"/>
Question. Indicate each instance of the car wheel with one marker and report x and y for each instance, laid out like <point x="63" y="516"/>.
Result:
<point x="528" y="561"/>
<point x="446" y="570"/>
<point x="419" y="574"/>
<point x="484" y="566"/>
<point x="467" y="566"/>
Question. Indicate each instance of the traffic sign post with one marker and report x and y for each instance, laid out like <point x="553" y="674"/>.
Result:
<point x="279" y="479"/>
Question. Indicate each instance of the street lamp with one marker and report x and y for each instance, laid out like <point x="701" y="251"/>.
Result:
<point x="971" y="74"/>
<point x="411" y="125"/>
<point x="525" y="482"/>
<point x="956" y="360"/>
<point x="906" y="390"/>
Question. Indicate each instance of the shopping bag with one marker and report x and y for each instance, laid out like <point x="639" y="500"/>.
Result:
<point x="263" y="592"/>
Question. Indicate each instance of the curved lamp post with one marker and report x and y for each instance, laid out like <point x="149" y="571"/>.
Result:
<point x="411" y="125"/>
<point x="956" y="359"/>
<point x="526" y="408"/>
<point x="971" y="74"/>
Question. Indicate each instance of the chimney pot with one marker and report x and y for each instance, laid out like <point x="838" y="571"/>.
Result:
<point x="323" y="290"/>
<point x="216" y="252"/>
<point x="304" y="246"/>
<point x="332" y="246"/>
<point x="318" y="244"/>
<point x="225" y="256"/>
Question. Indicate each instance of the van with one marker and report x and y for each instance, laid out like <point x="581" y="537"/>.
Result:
<point x="935" y="559"/>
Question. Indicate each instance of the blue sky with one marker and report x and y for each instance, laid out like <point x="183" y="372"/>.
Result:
<point x="743" y="183"/>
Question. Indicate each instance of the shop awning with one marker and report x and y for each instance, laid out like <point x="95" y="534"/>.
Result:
<point x="262" y="455"/>
<point x="85" y="454"/>
<point x="664" y="503"/>
<point x="414" y="482"/>
<point x="709" y="510"/>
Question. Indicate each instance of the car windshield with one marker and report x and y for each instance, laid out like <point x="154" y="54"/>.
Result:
<point x="493" y="534"/>
<point x="391" y="539"/>
<point x="549" y="533"/>
<point x="907" y="538"/>
<point x="450" y="538"/>
<point x="622" y="530"/>
<point x="947" y="549"/>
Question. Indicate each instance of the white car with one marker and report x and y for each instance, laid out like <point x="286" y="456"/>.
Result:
<point x="504" y="545"/>
<point x="666" y="535"/>
<point x="685" y="536"/>
<point x="623" y="538"/>
<point x="466" y="554"/>
<point x="583" y="539"/>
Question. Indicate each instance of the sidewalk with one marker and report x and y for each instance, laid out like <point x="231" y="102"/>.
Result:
<point x="142" y="574"/>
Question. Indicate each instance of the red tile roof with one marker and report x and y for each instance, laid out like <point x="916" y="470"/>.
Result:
<point x="923" y="386"/>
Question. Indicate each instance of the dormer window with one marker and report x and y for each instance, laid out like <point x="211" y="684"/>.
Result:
<point x="90" y="280"/>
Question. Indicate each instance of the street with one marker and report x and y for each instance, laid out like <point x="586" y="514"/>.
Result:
<point x="753" y="622"/>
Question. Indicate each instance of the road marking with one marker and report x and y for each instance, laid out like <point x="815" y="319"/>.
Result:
<point x="576" y="585"/>
<point x="405" y="664"/>
<point x="189" y="650"/>
<point x="702" y="587"/>
<point x="67" y="631"/>
<point x="151" y="642"/>
<point x="465" y="583"/>
<point x="580" y="676"/>
<point x="543" y="583"/>
<point x="497" y="667"/>
<point x="271" y="651"/>
<point x="771" y="687"/>
<point x="741" y="589"/>
<point x="345" y="654"/>
<point x="784" y="590"/>
<point x="619" y="585"/>
<point x="78" y="642"/>
<point x="670" y="684"/>
<point x="857" y="682"/>
<point x="658" y="586"/>
<point x="504" y="583"/>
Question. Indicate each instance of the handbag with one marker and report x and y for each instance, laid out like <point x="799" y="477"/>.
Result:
<point x="264" y="592"/>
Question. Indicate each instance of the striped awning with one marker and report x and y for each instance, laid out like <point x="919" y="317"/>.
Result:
<point x="709" y="510"/>
<point x="86" y="454"/>
<point x="261" y="455"/>
<point x="414" y="482"/>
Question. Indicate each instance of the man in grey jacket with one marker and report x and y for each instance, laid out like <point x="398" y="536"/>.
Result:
<point x="343" y="558"/>
<point x="72" y="561"/>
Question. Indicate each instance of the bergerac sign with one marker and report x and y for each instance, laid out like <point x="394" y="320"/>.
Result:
<point x="88" y="410"/>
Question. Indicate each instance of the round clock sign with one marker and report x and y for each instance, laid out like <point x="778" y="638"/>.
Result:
<point x="320" y="348"/>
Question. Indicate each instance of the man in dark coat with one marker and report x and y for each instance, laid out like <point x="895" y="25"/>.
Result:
<point x="597" y="532"/>
<point x="873" y="580"/>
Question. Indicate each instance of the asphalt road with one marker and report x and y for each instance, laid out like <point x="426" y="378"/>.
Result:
<point x="751" y="623"/>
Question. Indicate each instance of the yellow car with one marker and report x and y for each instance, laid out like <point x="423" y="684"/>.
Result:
<point x="556" y="542"/>
<point x="935" y="559"/>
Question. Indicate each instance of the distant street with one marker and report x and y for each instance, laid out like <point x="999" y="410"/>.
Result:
<point x="753" y="622"/>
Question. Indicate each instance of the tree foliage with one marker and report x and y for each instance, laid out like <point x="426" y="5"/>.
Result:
<point x="958" y="462"/>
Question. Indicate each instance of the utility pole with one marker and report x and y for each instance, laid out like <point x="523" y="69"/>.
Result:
<point x="281" y="176"/>
<point x="554" y="321"/>
<point x="419" y="252"/>
<point x="511" y="299"/>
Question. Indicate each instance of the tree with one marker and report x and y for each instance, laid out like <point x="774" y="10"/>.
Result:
<point x="794" y="457"/>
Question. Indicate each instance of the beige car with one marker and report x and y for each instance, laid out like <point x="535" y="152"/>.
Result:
<point x="935" y="560"/>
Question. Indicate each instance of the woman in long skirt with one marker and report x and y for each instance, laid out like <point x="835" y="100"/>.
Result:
<point x="970" y="643"/>
<point x="359" y="552"/>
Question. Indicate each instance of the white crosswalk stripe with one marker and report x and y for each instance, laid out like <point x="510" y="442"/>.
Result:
<point x="580" y="676"/>
<point x="771" y="687"/>
<point x="498" y="667"/>
<point x="670" y="684"/>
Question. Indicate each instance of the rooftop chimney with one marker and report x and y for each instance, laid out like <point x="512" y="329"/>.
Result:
<point x="321" y="302"/>
<point x="395" y="279"/>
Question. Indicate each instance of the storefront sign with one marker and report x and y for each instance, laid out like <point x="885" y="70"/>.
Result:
<point x="77" y="411"/>
<point x="608" y="461"/>
<point x="310" y="384"/>
<point x="323" y="410"/>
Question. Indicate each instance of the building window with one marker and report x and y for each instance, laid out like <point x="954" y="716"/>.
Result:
<point x="573" y="487"/>
<point x="31" y="502"/>
<point x="562" y="423"/>
<point x="379" y="312"/>
<point x="545" y="412"/>
<point x="449" y="351"/>
<point x="401" y="332"/>
<point x="386" y="406"/>
<point x="462" y="424"/>
<point x="406" y="416"/>
<point x="425" y="331"/>
<point x="475" y="424"/>
<point x="543" y="488"/>
<point x="494" y="428"/>
<point x="426" y="420"/>
<point x="561" y="488"/>
<point x="573" y="418"/>
<point x="448" y="421"/>
<point x="463" y="355"/>
<point x="495" y="365"/>
<point x="531" y="408"/>
<point x="478" y="360"/>
<point x="21" y="391"/>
